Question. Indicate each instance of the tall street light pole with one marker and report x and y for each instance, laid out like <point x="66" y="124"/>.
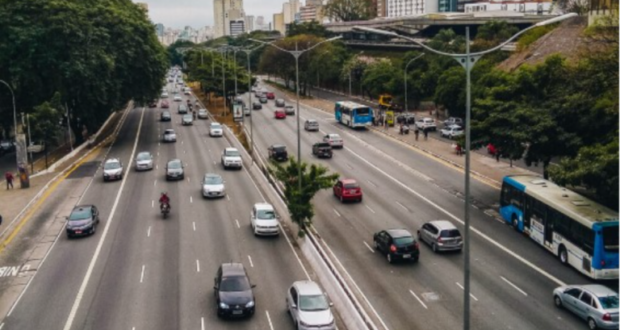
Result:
<point x="14" y="118"/>
<point x="467" y="60"/>
<point x="296" y="54"/>
<point x="248" y="52"/>
<point x="406" y="67"/>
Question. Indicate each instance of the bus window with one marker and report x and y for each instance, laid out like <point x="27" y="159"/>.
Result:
<point x="505" y="197"/>
<point x="362" y="111"/>
<point x="610" y="239"/>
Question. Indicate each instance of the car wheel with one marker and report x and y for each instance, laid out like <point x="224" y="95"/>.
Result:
<point x="557" y="301"/>
<point x="389" y="258"/>
<point x="341" y="199"/>
<point x="563" y="255"/>
<point x="434" y="247"/>
<point x="591" y="324"/>
<point x="376" y="245"/>
<point x="92" y="231"/>
<point x="360" y="200"/>
<point x="515" y="222"/>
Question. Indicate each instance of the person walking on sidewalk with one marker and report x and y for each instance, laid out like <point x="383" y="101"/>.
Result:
<point x="416" y="131"/>
<point x="425" y="131"/>
<point x="9" y="180"/>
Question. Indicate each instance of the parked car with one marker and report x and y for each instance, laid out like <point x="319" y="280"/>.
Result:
<point x="322" y="150"/>
<point x="174" y="170"/>
<point x="231" y="158"/>
<point x="7" y="146"/>
<point x="595" y="303"/>
<point x="233" y="291"/>
<point x="279" y="114"/>
<point x="213" y="186"/>
<point x="454" y="121"/>
<point x="187" y="120"/>
<point x="397" y="244"/>
<point x="406" y="118"/>
<point x="170" y="135"/>
<point x="264" y="220"/>
<point x="277" y="152"/>
<point x="202" y="114"/>
<point x="311" y="125"/>
<point x="83" y="220"/>
<point x="165" y="104"/>
<point x="452" y="131"/>
<point x="112" y="169"/>
<point x="441" y="235"/>
<point x="216" y="129"/>
<point x="262" y="100"/>
<point x="144" y="161"/>
<point x="309" y="307"/>
<point x="426" y="122"/>
<point x="348" y="189"/>
<point x="289" y="109"/>
<point x="334" y="140"/>
<point x="270" y="95"/>
<point x="182" y="109"/>
<point x="257" y="106"/>
<point x="177" y="98"/>
<point x="280" y="103"/>
<point x="165" y="116"/>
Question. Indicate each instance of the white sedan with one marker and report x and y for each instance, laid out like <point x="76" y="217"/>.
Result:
<point x="177" y="98"/>
<point x="452" y="131"/>
<point x="213" y="186"/>
<point x="263" y="220"/>
<point x="216" y="129"/>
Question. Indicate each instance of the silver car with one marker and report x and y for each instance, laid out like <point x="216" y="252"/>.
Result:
<point x="441" y="235"/>
<point x="216" y="129"/>
<point x="187" y="120"/>
<point x="311" y="125"/>
<point x="112" y="169"/>
<point x="309" y="307"/>
<point x="289" y="110"/>
<point x="174" y="170"/>
<point x="202" y="114"/>
<point x="213" y="186"/>
<point x="596" y="304"/>
<point x="144" y="161"/>
<point x="170" y="135"/>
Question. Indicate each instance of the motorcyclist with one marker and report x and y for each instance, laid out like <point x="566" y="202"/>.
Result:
<point x="164" y="200"/>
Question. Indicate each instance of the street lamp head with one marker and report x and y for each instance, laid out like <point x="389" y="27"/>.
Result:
<point x="334" y="38"/>
<point x="375" y="31"/>
<point x="556" y="19"/>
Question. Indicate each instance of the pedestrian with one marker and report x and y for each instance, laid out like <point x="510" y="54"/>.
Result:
<point x="425" y="131"/>
<point x="416" y="131"/>
<point x="385" y="123"/>
<point x="459" y="151"/>
<point x="497" y="155"/>
<point x="9" y="180"/>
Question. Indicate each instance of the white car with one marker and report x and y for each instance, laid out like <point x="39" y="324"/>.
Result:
<point x="264" y="220"/>
<point x="334" y="140"/>
<point x="426" y="122"/>
<point x="112" y="169"/>
<point x="309" y="307"/>
<point x="164" y="95"/>
<point x="216" y="129"/>
<point x="202" y="114"/>
<point x="213" y="186"/>
<point x="186" y="91"/>
<point x="144" y="161"/>
<point x="177" y="98"/>
<point x="187" y="120"/>
<point x="170" y="135"/>
<point x="231" y="158"/>
<point x="452" y="131"/>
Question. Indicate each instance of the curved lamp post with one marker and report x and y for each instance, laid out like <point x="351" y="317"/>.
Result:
<point x="467" y="60"/>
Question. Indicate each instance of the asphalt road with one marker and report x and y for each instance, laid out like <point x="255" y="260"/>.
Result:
<point x="512" y="278"/>
<point x="151" y="273"/>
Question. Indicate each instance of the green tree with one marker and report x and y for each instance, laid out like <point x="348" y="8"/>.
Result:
<point x="299" y="203"/>
<point x="378" y="77"/>
<point x="175" y="56"/>
<point x="312" y="28"/>
<point x="44" y="120"/>
<point x="450" y="91"/>
<point x="350" y="10"/>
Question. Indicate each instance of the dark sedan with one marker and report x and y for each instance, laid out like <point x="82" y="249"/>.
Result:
<point x="233" y="291"/>
<point x="82" y="221"/>
<point x="277" y="152"/>
<point x="174" y="170"/>
<point x="257" y="106"/>
<point x="397" y="244"/>
<point x="165" y="116"/>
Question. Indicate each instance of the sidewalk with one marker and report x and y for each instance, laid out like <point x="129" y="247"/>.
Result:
<point x="482" y="166"/>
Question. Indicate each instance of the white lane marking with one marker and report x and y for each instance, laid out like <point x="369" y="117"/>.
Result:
<point x="197" y="265"/>
<point x="251" y="263"/>
<point x="202" y="323"/>
<point x="214" y="163"/>
<point x="158" y="144"/>
<point x="148" y="232"/>
<point x="142" y="275"/>
<point x="338" y="214"/>
<point x="91" y="266"/>
<point x="153" y="203"/>
<point x="369" y="248"/>
<point x="455" y="218"/>
<point x="191" y="200"/>
<point x="269" y="320"/>
<point x="237" y="222"/>
<point x="372" y="183"/>
<point x="403" y="206"/>
<point x="188" y="179"/>
<point x="155" y="183"/>
<point x="419" y="300"/>
<point x="514" y="286"/>
<point x="209" y="150"/>
<point x="194" y="225"/>
<point x="181" y="141"/>
<point x="351" y="167"/>
<point x="462" y="288"/>
<point x="368" y="207"/>
<point x="228" y="197"/>
<point x="158" y="154"/>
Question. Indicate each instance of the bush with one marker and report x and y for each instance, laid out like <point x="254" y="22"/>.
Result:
<point x="532" y="35"/>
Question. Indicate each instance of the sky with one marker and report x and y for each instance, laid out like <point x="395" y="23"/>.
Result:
<point x="198" y="13"/>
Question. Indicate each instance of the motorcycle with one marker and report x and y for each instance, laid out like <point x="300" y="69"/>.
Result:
<point x="165" y="209"/>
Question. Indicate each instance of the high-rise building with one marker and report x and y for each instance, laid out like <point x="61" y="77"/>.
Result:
<point x="225" y="11"/>
<point x="447" y="6"/>
<point x="314" y="2"/>
<point x="381" y="6"/>
<point x="311" y="13"/>
<point x="237" y="27"/>
<point x="400" y="8"/>
<point x="159" y="29"/>
<point x="278" y="23"/>
<point x="249" y="23"/>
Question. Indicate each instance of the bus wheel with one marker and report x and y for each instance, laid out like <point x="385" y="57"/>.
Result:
<point x="515" y="222"/>
<point x="563" y="255"/>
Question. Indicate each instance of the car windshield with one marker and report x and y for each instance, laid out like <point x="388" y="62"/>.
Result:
<point x="112" y="165"/>
<point x="279" y="148"/>
<point x="174" y="164"/>
<point x="143" y="156"/>
<point x="216" y="126"/>
<point x="323" y="145"/>
<point x="450" y="233"/>
<point x="232" y="153"/>
<point x="169" y="132"/>
<point x="313" y="303"/>
<point x="609" y="302"/>
<point x="265" y="214"/>
<point x="610" y="239"/>
<point x="234" y="283"/>
<point x="80" y="214"/>
<point x="213" y="180"/>
<point x="402" y="241"/>
<point x="351" y="185"/>
<point x="312" y="122"/>
<point x="187" y="117"/>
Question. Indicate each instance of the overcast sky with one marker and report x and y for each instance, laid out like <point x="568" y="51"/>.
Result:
<point x="198" y="13"/>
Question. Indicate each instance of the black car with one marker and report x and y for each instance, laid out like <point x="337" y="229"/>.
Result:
<point x="174" y="170"/>
<point x="397" y="244"/>
<point x="165" y="116"/>
<point x="233" y="291"/>
<point x="257" y="106"/>
<point x="406" y="118"/>
<point x="322" y="149"/>
<point x="82" y="221"/>
<point x="278" y="152"/>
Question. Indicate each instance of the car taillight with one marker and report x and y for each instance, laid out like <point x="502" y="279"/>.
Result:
<point x="392" y="248"/>
<point x="606" y="317"/>
<point x="439" y="240"/>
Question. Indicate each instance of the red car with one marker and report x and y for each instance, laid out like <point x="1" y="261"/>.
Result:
<point x="280" y="114"/>
<point x="348" y="189"/>
<point x="164" y="104"/>
<point x="271" y="95"/>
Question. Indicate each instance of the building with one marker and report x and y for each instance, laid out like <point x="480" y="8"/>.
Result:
<point x="225" y="11"/>
<point x="311" y="13"/>
<point x="315" y="3"/>
<point x="289" y="9"/>
<point x="447" y="6"/>
<point x="249" y="23"/>
<point x="603" y="11"/>
<point x="159" y="30"/>
<point x="278" y="23"/>
<point x="402" y="8"/>
<point x="519" y="7"/>
<point x="237" y="27"/>
<point x="381" y="6"/>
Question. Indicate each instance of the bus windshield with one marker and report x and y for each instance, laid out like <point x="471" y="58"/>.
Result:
<point x="362" y="111"/>
<point x="610" y="239"/>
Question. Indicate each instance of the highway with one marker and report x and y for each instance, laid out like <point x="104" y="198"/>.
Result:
<point x="512" y="278"/>
<point x="140" y="271"/>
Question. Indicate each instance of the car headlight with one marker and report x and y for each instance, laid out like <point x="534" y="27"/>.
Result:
<point x="250" y="304"/>
<point x="304" y="323"/>
<point x="223" y="306"/>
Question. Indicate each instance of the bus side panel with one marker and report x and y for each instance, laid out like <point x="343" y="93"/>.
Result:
<point x="338" y="114"/>
<point x="507" y="212"/>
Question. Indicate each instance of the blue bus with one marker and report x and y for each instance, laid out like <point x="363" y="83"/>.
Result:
<point x="353" y="114"/>
<point x="579" y="231"/>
